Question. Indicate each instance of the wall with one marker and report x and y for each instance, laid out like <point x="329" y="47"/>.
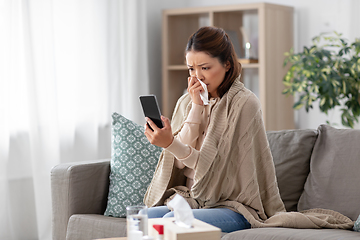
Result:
<point x="310" y="18"/>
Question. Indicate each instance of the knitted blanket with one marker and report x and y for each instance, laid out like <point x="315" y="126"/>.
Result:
<point x="235" y="168"/>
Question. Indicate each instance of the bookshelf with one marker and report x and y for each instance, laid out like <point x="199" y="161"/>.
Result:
<point x="268" y="28"/>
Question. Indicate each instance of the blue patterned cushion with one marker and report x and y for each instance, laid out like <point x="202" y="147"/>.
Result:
<point x="133" y="162"/>
<point x="357" y="225"/>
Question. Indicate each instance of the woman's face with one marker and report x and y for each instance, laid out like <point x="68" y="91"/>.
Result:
<point x="207" y="69"/>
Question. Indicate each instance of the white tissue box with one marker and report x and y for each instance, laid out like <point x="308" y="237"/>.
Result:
<point x="199" y="231"/>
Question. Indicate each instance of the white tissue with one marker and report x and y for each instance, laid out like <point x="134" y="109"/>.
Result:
<point x="204" y="94"/>
<point x="182" y="211"/>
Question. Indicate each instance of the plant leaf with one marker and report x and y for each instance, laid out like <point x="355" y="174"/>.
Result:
<point x="328" y="70"/>
<point x="322" y="102"/>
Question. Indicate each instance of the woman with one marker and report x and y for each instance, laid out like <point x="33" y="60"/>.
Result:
<point x="215" y="155"/>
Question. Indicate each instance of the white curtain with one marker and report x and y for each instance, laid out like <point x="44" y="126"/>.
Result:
<point x="65" y="66"/>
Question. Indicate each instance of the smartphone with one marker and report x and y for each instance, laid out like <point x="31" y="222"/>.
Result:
<point x="151" y="109"/>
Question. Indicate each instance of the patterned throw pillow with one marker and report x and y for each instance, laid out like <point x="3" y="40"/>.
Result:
<point x="133" y="162"/>
<point x="357" y="225"/>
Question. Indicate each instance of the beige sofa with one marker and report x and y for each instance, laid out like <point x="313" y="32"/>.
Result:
<point x="315" y="168"/>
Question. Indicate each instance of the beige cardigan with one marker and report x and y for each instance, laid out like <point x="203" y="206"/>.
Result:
<point x="235" y="168"/>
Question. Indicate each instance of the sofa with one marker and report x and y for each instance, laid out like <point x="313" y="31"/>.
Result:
<point x="315" y="168"/>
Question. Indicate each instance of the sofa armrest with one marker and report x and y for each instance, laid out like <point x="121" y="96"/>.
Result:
<point x="78" y="188"/>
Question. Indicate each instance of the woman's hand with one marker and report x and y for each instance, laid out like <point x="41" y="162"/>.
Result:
<point x="194" y="89"/>
<point x="161" y="137"/>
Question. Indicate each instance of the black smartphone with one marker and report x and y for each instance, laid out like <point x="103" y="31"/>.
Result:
<point x="151" y="109"/>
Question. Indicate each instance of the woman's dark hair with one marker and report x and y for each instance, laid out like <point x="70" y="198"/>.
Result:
<point x="215" y="42"/>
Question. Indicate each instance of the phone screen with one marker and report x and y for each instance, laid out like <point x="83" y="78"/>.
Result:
<point x="151" y="109"/>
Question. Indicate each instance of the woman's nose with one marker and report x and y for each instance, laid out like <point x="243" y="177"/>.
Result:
<point x="199" y="76"/>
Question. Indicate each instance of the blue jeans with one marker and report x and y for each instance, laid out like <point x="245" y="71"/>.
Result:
<point x="223" y="218"/>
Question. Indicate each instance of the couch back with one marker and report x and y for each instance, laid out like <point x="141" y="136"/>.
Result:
<point x="318" y="168"/>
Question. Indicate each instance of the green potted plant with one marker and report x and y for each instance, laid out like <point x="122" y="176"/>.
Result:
<point x="328" y="71"/>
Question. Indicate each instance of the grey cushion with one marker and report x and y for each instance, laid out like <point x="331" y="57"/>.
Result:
<point x="291" y="150"/>
<point x="292" y="234"/>
<point x="93" y="226"/>
<point x="334" y="172"/>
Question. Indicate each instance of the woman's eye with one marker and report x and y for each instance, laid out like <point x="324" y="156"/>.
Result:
<point x="191" y="69"/>
<point x="205" y="68"/>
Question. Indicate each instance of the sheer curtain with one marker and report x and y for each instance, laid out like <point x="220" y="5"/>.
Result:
<point x="65" y="66"/>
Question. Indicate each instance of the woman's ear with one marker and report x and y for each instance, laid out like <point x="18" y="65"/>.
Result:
<point x="227" y="66"/>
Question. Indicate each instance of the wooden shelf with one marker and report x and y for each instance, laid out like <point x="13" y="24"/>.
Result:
<point x="178" y="67"/>
<point x="270" y="30"/>
<point x="248" y="61"/>
<point x="250" y="65"/>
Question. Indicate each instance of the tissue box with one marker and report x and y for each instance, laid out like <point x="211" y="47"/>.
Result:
<point x="199" y="231"/>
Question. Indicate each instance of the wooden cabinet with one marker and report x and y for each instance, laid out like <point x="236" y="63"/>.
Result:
<point x="269" y="30"/>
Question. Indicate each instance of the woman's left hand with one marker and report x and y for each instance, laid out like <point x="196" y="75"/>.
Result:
<point x="161" y="137"/>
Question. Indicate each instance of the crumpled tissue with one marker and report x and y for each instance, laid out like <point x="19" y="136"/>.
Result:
<point x="182" y="211"/>
<point x="204" y="94"/>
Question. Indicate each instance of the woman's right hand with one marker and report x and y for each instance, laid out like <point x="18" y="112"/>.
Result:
<point x="194" y="89"/>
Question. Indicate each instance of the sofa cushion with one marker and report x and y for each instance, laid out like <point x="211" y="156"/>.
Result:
<point x="291" y="150"/>
<point x="133" y="162"/>
<point x="334" y="172"/>
<point x="292" y="234"/>
<point x="94" y="226"/>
